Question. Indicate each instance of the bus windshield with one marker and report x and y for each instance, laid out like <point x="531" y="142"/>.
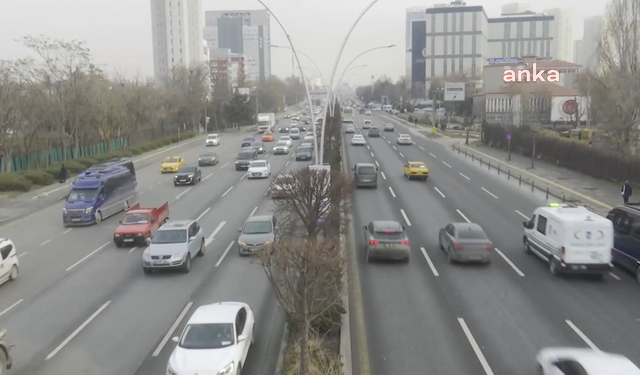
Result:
<point x="83" y="195"/>
<point x="347" y="115"/>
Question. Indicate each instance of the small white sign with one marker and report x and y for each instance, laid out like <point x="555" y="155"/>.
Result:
<point x="244" y="91"/>
<point x="454" y="91"/>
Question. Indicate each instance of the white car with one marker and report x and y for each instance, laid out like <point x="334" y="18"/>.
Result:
<point x="584" y="361"/>
<point x="309" y="134"/>
<point x="368" y="113"/>
<point x="9" y="267"/>
<point x="366" y="124"/>
<point x="215" y="340"/>
<point x="404" y="139"/>
<point x="280" y="148"/>
<point x="212" y="140"/>
<point x="259" y="169"/>
<point x="358" y="139"/>
<point x="349" y="129"/>
<point x="287" y="139"/>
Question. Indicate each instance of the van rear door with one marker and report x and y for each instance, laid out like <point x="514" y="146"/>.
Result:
<point x="589" y="242"/>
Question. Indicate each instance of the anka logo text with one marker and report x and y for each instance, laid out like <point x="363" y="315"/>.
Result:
<point x="533" y="75"/>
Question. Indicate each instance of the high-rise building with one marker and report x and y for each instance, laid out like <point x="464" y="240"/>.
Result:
<point x="514" y="8"/>
<point x="245" y="32"/>
<point x="562" y="45"/>
<point x="176" y="27"/>
<point x="577" y="52"/>
<point x="593" y="33"/>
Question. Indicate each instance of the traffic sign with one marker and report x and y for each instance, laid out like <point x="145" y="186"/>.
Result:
<point x="509" y="136"/>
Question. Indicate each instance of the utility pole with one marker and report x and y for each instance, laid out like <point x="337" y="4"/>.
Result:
<point x="589" y="103"/>
<point x="533" y="154"/>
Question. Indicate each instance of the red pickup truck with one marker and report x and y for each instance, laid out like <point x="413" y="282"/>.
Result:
<point x="139" y="225"/>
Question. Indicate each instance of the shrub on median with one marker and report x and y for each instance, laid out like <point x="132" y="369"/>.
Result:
<point x="40" y="177"/>
<point x="14" y="182"/>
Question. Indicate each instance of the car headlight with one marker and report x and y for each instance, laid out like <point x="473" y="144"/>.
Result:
<point x="146" y="256"/>
<point x="88" y="210"/>
<point x="170" y="370"/>
<point x="199" y="159"/>
<point x="241" y="243"/>
<point x="139" y="234"/>
<point x="177" y="256"/>
<point x="64" y="210"/>
<point x="228" y="369"/>
<point x="190" y="176"/>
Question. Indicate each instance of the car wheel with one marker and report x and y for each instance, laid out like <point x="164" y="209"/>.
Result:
<point x="440" y="243"/>
<point x="369" y="258"/>
<point x="98" y="217"/>
<point x="201" y="251"/>
<point x="186" y="267"/>
<point x="553" y="267"/>
<point x="3" y="361"/>
<point x="253" y="334"/>
<point x="13" y="274"/>
<point x="147" y="270"/>
<point x="126" y="205"/>
<point x="406" y="259"/>
<point x="527" y="248"/>
<point x="118" y="243"/>
<point x="239" y="370"/>
<point x="638" y="274"/>
<point x="450" y="258"/>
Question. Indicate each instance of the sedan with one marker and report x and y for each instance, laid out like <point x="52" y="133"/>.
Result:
<point x="374" y="132"/>
<point x="247" y="142"/>
<point x="367" y="113"/>
<point x="259" y="169"/>
<point x="283" y="129"/>
<point x="556" y="361"/>
<point x="207" y="158"/>
<point x="215" y="340"/>
<point x="404" y="139"/>
<point x="465" y="242"/>
<point x="187" y="175"/>
<point x="389" y="127"/>
<point x="304" y="153"/>
<point x="386" y="240"/>
<point x="281" y="148"/>
<point x="287" y="139"/>
<point x="349" y="129"/>
<point x="259" y="146"/>
<point x="358" y="140"/>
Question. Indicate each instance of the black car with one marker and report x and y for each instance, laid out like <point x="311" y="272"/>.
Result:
<point x="244" y="158"/>
<point x="388" y="127"/>
<point x="304" y="153"/>
<point x="374" y="131"/>
<point x="283" y="129"/>
<point x="187" y="175"/>
<point x="259" y="146"/>
<point x="247" y="141"/>
<point x="208" y="158"/>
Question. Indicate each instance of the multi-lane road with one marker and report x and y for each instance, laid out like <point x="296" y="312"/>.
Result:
<point x="430" y="317"/>
<point x="83" y="306"/>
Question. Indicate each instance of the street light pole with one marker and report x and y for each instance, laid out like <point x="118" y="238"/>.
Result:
<point x="304" y="80"/>
<point x="333" y="75"/>
<point x="324" y="82"/>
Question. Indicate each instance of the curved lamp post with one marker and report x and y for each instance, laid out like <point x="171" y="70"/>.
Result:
<point x="348" y="69"/>
<point x="324" y="81"/>
<point x="333" y="75"/>
<point x="295" y="54"/>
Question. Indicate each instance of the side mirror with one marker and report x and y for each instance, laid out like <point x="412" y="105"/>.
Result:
<point x="242" y="338"/>
<point x="236" y="158"/>
<point x="403" y="228"/>
<point x="153" y="219"/>
<point x="148" y="241"/>
<point x="239" y="229"/>
<point x="175" y="338"/>
<point x="120" y="222"/>
<point x="365" y="227"/>
<point x="525" y="224"/>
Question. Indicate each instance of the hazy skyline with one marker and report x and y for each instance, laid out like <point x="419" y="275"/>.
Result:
<point x="118" y="32"/>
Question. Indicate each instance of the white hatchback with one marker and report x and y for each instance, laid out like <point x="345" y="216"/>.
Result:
<point x="212" y="140"/>
<point x="358" y="140"/>
<point x="9" y="267"/>
<point x="215" y="340"/>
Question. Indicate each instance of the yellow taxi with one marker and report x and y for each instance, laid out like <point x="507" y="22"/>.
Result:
<point x="171" y="164"/>
<point x="416" y="169"/>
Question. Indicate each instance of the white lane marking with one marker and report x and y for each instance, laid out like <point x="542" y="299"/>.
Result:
<point x="172" y="329"/>
<point x="523" y="215"/>
<point x="377" y="165"/>
<point x="209" y="175"/>
<point x="183" y="193"/>
<point x="509" y="262"/>
<point x="461" y="174"/>
<point x="490" y="193"/>
<point x="394" y="147"/>
<point x="227" y="192"/>
<point x="253" y="211"/>
<point x="435" y="157"/>
<point x="582" y="335"/>
<point x="140" y="193"/>
<point x="287" y="163"/>
<point x="368" y="147"/>
<point x="614" y="276"/>
<point x="475" y="347"/>
<point x="383" y="176"/>
<point x="388" y="141"/>
<point x="392" y="193"/>
<point x="226" y="251"/>
<point x="77" y="331"/>
<point x="464" y="217"/>
<point x="429" y="262"/>
<point x="243" y="176"/>
<point x="150" y="188"/>
<point x="214" y="233"/>
<point x="23" y="254"/>
<point x="202" y="214"/>
<point x="11" y="307"/>
<point x="445" y="163"/>
<point x="266" y="155"/>
<point x="87" y="257"/>
<point x="422" y="148"/>
<point x="404" y="216"/>
<point x="372" y="155"/>
<point x="45" y="242"/>
<point x="224" y="165"/>
<point x="67" y="231"/>
<point x="401" y="154"/>
<point x="133" y="249"/>
<point x="439" y="192"/>
<point x="160" y="183"/>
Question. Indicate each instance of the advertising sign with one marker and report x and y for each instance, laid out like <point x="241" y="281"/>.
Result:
<point x="418" y="51"/>
<point x="454" y="91"/>
<point x="504" y="60"/>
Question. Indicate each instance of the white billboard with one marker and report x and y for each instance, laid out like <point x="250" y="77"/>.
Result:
<point x="569" y="108"/>
<point x="454" y="91"/>
<point x="244" y="91"/>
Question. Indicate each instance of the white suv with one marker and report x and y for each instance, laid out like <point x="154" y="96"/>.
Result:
<point x="9" y="267"/>
<point x="212" y="140"/>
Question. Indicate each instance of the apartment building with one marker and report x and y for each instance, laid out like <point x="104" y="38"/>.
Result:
<point x="227" y="69"/>
<point x="594" y="28"/>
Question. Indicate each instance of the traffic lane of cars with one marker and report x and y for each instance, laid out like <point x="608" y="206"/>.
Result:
<point x="509" y="325"/>
<point x="112" y="286"/>
<point x="569" y="300"/>
<point x="411" y="326"/>
<point x="240" y="279"/>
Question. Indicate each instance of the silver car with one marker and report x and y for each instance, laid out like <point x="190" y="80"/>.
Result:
<point x="173" y="246"/>
<point x="212" y="140"/>
<point x="257" y="232"/>
<point x="386" y="240"/>
<point x="281" y="148"/>
<point x="465" y="242"/>
<point x="404" y="139"/>
<point x="349" y="129"/>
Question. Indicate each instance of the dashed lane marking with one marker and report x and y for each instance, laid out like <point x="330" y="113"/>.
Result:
<point x="429" y="262"/>
<point x="582" y="335"/>
<point x="490" y="193"/>
<point x="461" y="174"/>
<point x="172" y="329"/>
<point x="439" y="192"/>
<point x="523" y="215"/>
<point x="404" y="216"/>
<point x="445" y="163"/>
<point x="463" y="216"/>
<point x="509" y="262"/>
<point x="392" y="193"/>
<point x="224" y="254"/>
<point x="435" y="157"/>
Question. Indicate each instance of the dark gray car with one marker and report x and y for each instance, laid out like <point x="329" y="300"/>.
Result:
<point x="173" y="246"/>
<point x="257" y="232"/>
<point x="465" y="242"/>
<point x="304" y="153"/>
<point x="365" y="175"/>
<point x="187" y="175"/>
<point x="259" y="146"/>
<point x="208" y="158"/>
<point x="374" y="131"/>
<point x="244" y="158"/>
<point x="386" y="239"/>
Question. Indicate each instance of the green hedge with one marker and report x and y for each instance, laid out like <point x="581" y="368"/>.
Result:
<point x="25" y="180"/>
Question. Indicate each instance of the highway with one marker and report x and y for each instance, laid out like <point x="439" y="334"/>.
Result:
<point x="83" y="306"/>
<point x="430" y="317"/>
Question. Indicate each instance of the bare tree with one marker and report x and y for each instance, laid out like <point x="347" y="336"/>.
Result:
<point x="307" y="277"/>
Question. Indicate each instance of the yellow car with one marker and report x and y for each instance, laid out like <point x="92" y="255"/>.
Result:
<point x="416" y="169"/>
<point x="171" y="164"/>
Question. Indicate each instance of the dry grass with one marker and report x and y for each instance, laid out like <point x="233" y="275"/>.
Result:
<point x="321" y="360"/>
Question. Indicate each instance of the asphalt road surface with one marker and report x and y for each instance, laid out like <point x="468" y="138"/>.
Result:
<point x="83" y="306"/>
<point x="430" y="317"/>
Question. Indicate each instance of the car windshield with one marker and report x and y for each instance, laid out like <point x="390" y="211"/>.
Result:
<point x="366" y="170"/>
<point x="257" y="227"/>
<point x="208" y="155"/>
<point x="357" y="136"/>
<point x="207" y="336"/>
<point x="418" y="166"/>
<point x="187" y="169"/>
<point x="471" y="234"/>
<point x="281" y="144"/>
<point x="404" y="136"/>
<point x="171" y="160"/>
<point x="390" y="235"/>
<point x="83" y="195"/>
<point x="212" y="136"/>
<point x="259" y="164"/>
<point x="245" y="155"/>
<point x="257" y="144"/>
<point x="170" y="236"/>
<point x="304" y="150"/>
<point x="285" y="138"/>
<point x="130" y="219"/>
<point x="248" y="139"/>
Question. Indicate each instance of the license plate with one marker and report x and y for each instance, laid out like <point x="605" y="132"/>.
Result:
<point x="76" y="219"/>
<point x="161" y="262"/>
<point x="128" y="240"/>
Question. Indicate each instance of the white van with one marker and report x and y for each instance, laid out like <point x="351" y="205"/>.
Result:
<point x="294" y="133"/>
<point x="366" y="124"/>
<point x="9" y="266"/>
<point x="571" y="239"/>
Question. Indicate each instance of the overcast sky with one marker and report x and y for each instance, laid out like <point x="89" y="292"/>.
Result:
<point x="118" y="32"/>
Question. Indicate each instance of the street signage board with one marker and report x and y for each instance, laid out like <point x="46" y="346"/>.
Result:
<point x="454" y="91"/>
<point x="509" y="136"/>
<point x="504" y="60"/>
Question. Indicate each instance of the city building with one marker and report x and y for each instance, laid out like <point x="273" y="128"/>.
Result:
<point x="562" y="30"/>
<point x="514" y="8"/>
<point x="593" y="33"/>
<point x="227" y="70"/>
<point x="176" y="29"/>
<point x="245" y="32"/>
<point x="577" y="52"/>
<point x="454" y="38"/>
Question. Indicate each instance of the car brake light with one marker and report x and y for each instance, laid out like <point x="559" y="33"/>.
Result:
<point x="373" y="242"/>
<point x="457" y="246"/>
<point x="489" y="245"/>
<point x="389" y="232"/>
<point x="405" y="242"/>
